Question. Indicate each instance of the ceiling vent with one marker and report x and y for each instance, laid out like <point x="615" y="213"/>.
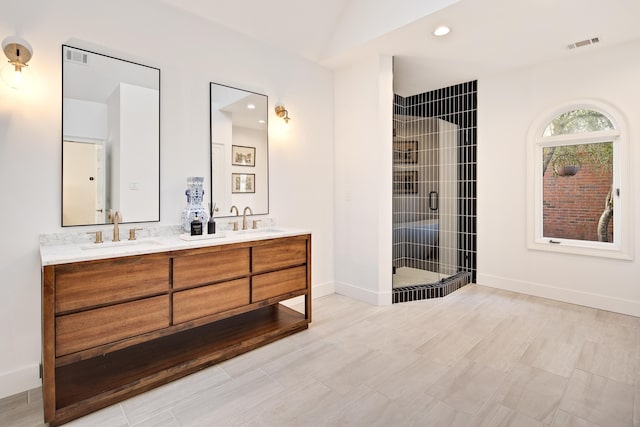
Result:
<point x="582" y="43"/>
<point x="77" y="57"/>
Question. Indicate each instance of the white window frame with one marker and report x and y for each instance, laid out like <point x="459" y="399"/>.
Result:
<point x="622" y="245"/>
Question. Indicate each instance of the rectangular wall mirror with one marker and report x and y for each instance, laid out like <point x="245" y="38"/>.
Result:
<point x="239" y="150"/>
<point x="110" y="139"/>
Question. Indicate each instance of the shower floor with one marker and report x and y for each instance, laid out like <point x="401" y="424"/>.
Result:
<point x="407" y="276"/>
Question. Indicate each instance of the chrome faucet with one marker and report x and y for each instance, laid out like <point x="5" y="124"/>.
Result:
<point x="115" y="217"/>
<point x="244" y="217"/>
<point x="236" y="208"/>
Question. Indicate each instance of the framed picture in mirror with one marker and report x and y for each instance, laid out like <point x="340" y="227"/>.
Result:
<point x="405" y="152"/>
<point x="243" y="182"/>
<point x="243" y="156"/>
<point x="405" y="182"/>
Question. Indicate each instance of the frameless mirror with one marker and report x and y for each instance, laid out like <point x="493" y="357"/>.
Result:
<point x="110" y="139"/>
<point x="239" y="150"/>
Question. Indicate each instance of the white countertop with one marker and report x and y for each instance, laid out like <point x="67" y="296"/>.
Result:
<point x="51" y="254"/>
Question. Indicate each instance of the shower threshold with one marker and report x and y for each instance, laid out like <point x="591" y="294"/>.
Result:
<point x="438" y="289"/>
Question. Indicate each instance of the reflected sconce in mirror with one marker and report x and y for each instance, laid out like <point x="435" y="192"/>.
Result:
<point x="19" y="52"/>
<point x="283" y="114"/>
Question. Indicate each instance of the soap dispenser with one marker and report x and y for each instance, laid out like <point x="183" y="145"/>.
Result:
<point x="211" y="225"/>
<point x="196" y="226"/>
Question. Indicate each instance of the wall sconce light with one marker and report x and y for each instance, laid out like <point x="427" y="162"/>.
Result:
<point x="283" y="114"/>
<point x="19" y="52"/>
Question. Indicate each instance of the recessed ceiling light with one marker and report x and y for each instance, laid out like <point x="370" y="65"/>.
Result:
<point x="441" y="31"/>
<point x="251" y="106"/>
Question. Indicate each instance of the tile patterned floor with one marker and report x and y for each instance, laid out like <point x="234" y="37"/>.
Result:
<point x="407" y="276"/>
<point x="479" y="357"/>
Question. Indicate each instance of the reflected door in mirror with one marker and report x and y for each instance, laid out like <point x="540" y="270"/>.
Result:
<point x="83" y="183"/>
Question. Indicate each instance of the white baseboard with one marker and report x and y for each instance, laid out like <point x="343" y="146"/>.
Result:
<point x="364" y="295"/>
<point x="323" y="289"/>
<point x="317" y="291"/>
<point x="600" y="301"/>
<point x="23" y="379"/>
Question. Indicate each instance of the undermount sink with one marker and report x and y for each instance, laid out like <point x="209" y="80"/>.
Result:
<point x="122" y="243"/>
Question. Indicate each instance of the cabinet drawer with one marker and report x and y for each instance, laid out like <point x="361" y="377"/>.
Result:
<point x="195" y="303"/>
<point x="279" y="255"/>
<point x="268" y="285"/>
<point x="207" y="268"/>
<point x="89" y="284"/>
<point x="87" y="329"/>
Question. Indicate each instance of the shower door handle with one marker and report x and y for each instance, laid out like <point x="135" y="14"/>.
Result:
<point x="433" y="200"/>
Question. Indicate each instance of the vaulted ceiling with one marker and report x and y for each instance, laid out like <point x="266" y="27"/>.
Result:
<point x="486" y="36"/>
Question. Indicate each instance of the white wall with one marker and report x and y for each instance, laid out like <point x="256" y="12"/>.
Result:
<point x="221" y="137"/>
<point x="363" y="174"/>
<point x="139" y="159"/>
<point x="148" y="32"/>
<point x="112" y="153"/>
<point x="84" y="119"/>
<point x="507" y="105"/>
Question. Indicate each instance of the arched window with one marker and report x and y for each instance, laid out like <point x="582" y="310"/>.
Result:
<point x="579" y="160"/>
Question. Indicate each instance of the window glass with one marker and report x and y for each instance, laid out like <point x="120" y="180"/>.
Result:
<point x="577" y="192"/>
<point x="578" y="121"/>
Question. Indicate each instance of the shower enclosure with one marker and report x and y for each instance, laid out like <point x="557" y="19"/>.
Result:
<point x="434" y="192"/>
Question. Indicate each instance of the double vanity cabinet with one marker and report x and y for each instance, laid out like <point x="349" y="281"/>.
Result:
<point x="117" y="325"/>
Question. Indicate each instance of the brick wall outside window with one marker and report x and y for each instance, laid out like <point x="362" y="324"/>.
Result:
<point x="572" y="205"/>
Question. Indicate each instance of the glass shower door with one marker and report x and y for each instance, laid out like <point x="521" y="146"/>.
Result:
<point x="425" y="201"/>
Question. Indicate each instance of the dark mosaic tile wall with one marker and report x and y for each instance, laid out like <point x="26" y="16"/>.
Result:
<point x="455" y="104"/>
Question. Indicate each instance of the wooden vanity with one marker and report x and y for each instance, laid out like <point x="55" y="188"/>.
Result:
<point x="119" y="326"/>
